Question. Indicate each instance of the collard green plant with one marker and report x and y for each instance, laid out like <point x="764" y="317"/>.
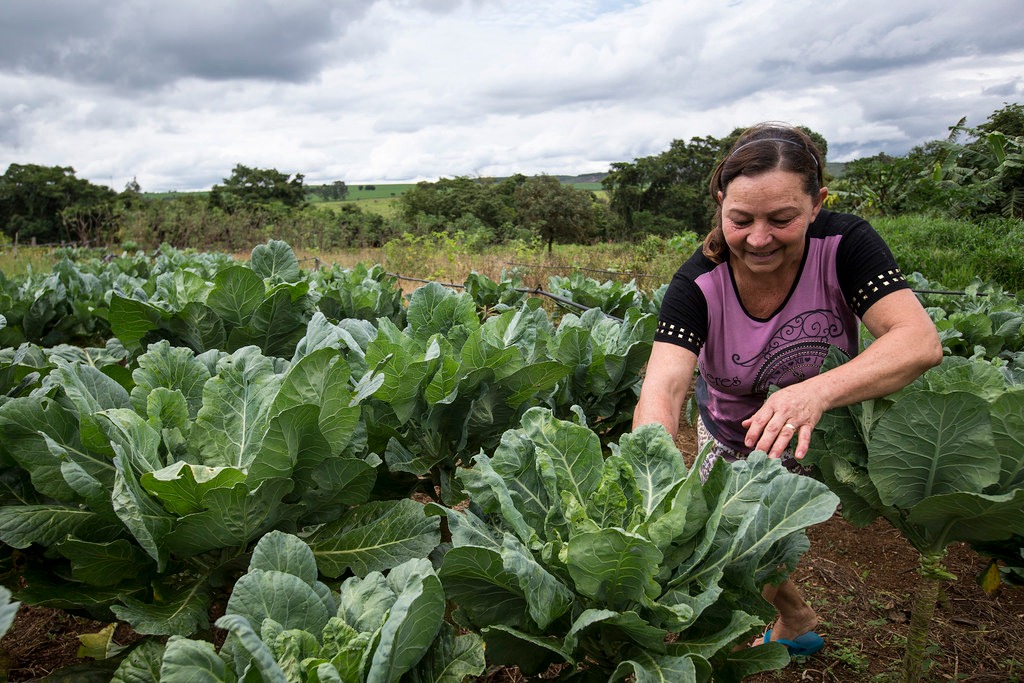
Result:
<point x="983" y="321"/>
<point x="612" y="297"/>
<point x="606" y="357"/>
<point x="265" y="304"/>
<point x="141" y="503"/>
<point x="453" y="385"/>
<point x="65" y="306"/>
<point x="626" y="565"/>
<point x="492" y="297"/>
<point x="364" y="293"/>
<point x="285" y="625"/>
<point x="942" y="461"/>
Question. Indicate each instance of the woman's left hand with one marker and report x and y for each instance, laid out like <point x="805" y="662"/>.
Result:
<point x="789" y="412"/>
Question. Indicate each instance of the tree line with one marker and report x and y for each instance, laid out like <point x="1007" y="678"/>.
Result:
<point x="974" y="172"/>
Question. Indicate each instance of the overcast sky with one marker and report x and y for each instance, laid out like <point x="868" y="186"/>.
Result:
<point x="176" y="93"/>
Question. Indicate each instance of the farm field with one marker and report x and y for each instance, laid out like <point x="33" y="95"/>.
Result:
<point x="333" y="357"/>
<point x="859" y="580"/>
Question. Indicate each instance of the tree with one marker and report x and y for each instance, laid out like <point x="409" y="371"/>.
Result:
<point x="881" y="185"/>
<point x="668" y="193"/>
<point x="665" y="193"/>
<point x="251" y="187"/>
<point x="984" y="166"/>
<point x="49" y="203"/>
<point x="555" y="211"/>
<point x="335" y="192"/>
<point x="452" y="199"/>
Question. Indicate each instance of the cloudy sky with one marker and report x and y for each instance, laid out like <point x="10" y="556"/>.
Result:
<point x="176" y="93"/>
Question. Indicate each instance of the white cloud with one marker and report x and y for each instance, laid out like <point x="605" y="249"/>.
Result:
<point x="373" y="90"/>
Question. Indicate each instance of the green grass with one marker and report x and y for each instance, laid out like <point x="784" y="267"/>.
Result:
<point x="955" y="252"/>
<point x="17" y="262"/>
<point x="385" y="191"/>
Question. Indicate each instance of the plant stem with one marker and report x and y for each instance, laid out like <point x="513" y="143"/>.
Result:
<point x="932" y="573"/>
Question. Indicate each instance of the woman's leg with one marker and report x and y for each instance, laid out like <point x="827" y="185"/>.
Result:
<point x="795" y="616"/>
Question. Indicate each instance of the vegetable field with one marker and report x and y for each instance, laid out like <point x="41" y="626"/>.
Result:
<point x="266" y="472"/>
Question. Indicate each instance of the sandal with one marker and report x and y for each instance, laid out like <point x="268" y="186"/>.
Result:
<point x="801" y="646"/>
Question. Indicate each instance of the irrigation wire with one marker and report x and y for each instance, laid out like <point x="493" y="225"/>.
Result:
<point x="525" y="290"/>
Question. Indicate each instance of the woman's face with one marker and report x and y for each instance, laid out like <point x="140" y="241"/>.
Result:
<point x="765" y="219"/>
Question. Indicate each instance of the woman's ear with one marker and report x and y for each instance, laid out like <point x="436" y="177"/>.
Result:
<point x="822" y="193"/>
<point x="719" y="196"/>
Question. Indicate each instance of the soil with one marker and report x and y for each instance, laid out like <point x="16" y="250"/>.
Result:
<point x="860" y="581"/>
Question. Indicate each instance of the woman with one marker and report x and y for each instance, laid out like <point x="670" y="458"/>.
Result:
<point x="778" y="280"/>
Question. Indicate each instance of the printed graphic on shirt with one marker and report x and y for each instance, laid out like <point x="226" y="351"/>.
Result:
<point x="796" y="351"/>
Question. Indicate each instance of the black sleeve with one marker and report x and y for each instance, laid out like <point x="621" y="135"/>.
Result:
<point x="866" y="268"/>
<point x="683" y="319"/>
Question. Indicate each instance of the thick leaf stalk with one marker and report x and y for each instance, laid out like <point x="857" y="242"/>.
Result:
<point x="932" y="574"/>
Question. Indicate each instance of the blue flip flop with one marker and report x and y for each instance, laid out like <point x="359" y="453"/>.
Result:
<point x="801" y="646"/>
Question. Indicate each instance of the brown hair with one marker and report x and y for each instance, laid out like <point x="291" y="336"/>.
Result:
<point x="760" y="149"/>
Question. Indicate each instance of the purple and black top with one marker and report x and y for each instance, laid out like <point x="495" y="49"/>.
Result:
<point x="846" y="268"/>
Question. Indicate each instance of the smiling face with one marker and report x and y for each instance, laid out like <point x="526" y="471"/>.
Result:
<point x="764" y="221"/>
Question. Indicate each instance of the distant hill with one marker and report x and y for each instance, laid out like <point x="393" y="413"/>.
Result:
<point x="583" y="178"/>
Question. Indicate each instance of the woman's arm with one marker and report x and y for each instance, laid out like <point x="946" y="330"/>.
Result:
<point x="906" y="344"/>
<point x="668" y="377"/>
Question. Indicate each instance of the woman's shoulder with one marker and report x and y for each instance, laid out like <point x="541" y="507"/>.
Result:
<point x="832" y="223"/>
<point x="696" y="265"/>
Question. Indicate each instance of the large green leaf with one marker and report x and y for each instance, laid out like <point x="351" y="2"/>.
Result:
<point x="182" y="488"/>
<point x="547" y="598"/>
<point x="405" y="366"/>
<point x="486" y="593"/>
<point x="131" y="319"/>
<point x="182" y="613"/>
<point x="38" y="433"/>
<point x="192" y="661"/>
<point x="148" y="522"/>
<point x="142" y="664"/>
<point x="374" y="537"/>
<point x="322" y="378"/>
<point x="971" y="517"/>
<point x="451" y="659"/>
<point x="275" y="261"/>
<point x="531" y="654"/>
<point x="1008" y="436"/>
<point x="236" y="294"/>
<point x="788" y="504"/>
<point x="8" y="609"/>
<point x="610" y="626"/>
<point x="247" y="639"/>
<point x="434" y="309"/>
<point x="647" y="668"/>
<point x="47" y="525"/>
<point x="292" y="436"/>
<point x="276" y="326"/>
<point x="281" y="552"/>
<point x="571" y="450"/>
<point x="412" y="622"/>
<point x="91" y="391"/>
<point x="929" y="443"/>
<point x="196" y="326"/>
<point x="233" y="517"/>
<point x="364" y="602"/>
<point x="230" y="426"/>
<point x="172" y="367"/>
<point x="655" y="462"/>
<point x="614" y="567"/>
<point x="104" y="564"/>
<point x="287" y="599"/>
